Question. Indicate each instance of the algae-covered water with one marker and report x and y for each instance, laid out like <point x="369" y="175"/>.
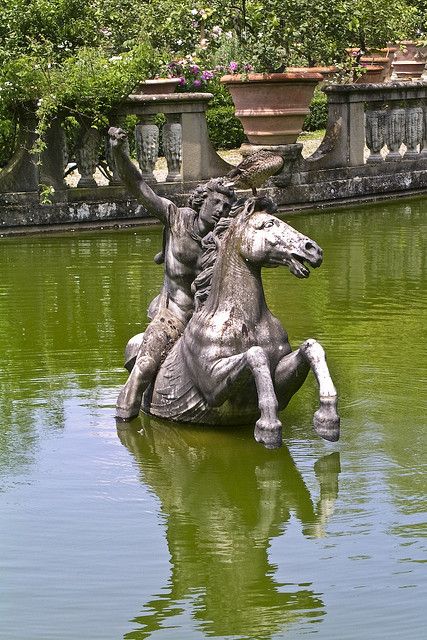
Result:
<point x="191" y="533"/>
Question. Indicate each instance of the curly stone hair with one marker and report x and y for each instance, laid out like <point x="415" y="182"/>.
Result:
<point x="201" y="192"/>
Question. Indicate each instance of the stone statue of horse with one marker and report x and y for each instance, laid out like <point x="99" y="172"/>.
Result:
<point x="234" y="364"/>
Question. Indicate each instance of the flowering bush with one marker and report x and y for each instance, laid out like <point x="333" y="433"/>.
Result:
<point x="192" y="77"/>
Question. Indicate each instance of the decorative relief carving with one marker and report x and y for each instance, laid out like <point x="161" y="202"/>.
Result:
<point x="413" y="131"/>
<point x="395" y="133"/>
<point x="87" y="154"/>
<point x="374" y="131"/>
<point x="424" y="144"/>
<point x="116" y="180"/>
<point x="172" y="147"/>
<point x="147" y="148"/>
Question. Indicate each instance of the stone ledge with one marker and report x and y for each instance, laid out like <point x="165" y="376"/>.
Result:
<point x="350" y="187"/>
<point x="321" y="189"/>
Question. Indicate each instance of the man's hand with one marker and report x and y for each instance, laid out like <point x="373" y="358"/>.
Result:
<point x="117" y="136"/>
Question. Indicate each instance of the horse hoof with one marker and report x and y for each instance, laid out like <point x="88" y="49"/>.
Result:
<point x="326" y="422"/>
<point x="269" y="434"/>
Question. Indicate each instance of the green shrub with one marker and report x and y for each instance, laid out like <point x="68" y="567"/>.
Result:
<point x="8" y="134"/>
<point x="225" y="130"/>
<point x="318" y="116"/>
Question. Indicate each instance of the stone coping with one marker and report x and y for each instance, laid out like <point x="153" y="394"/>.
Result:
<point x="384" y="91"/>
<point x="164" y="103"/>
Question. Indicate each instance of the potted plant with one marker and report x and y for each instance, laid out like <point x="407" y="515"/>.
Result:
<point x="383" y="62"/>
<point x="366" y="68"/>
<point x="271" y="102"/>
<point x="272" y="106"/>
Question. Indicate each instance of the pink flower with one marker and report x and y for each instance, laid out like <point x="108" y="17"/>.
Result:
<point x="233" y="66"/>
<point x="181" y="81"/>
<point x="207" y="75"/>
<point x="197" y="83"/>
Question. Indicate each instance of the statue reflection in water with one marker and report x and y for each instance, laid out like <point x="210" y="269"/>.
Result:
<point x="224" y="499"/>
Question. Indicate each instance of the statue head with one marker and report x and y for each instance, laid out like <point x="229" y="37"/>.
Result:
<point x="212" y="200"/>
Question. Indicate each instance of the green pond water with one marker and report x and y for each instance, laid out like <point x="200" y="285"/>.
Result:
<point x="191" y="533"/>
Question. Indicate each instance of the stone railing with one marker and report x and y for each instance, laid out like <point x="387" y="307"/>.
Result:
<point x="375" y="144"/>
<point x="381" y="117"/>
<point x="189" y="154"/>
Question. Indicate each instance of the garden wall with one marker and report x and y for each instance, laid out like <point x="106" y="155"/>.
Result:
<point x="375" y="146"/>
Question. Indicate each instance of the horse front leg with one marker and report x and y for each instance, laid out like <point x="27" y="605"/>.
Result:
<point x="268" y="428"/>
<point x="290" y="374"/>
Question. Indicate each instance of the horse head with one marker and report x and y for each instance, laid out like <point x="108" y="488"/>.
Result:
<point x="269" y="242"/>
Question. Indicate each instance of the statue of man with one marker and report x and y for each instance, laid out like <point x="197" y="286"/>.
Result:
<point x="184" y="229"/>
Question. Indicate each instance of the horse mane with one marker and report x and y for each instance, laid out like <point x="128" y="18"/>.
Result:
<point x="241" y="211"/>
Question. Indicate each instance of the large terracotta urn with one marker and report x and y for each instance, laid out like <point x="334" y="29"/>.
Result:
<point x="326" y="72"/>
<point x="378" y="61"/>
<point x="272" y="106"/>
<point x="409" y="61"/>
<point x="372" y="74"/>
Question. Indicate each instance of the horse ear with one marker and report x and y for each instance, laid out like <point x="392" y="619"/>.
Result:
<point x="250" y="207"/>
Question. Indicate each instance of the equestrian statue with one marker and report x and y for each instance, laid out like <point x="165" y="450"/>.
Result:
<point x="215" y="352"/>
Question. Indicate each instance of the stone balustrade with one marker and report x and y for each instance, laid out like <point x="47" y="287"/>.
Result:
<point x="188" y="151"/>
<point x="375" y="144"/>
<point x="381" y="116"/>
<point x="189" y="154"/>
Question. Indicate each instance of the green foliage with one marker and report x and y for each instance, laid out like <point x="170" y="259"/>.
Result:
<point x="8" y="133"/>
<point x="225" y="130"/>
<point x="221" y="95"/>
<point x="90" y="84"/>
<point x="318" y="116"/>
<point x="80" y="57"/>
<point x="372" y="23"/>
<point x="420" y="7"/>
<point x="46" y="193"/>
<point x="60" y="54"/>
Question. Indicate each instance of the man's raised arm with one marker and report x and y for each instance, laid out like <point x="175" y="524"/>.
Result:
<point x="132" y="177"/>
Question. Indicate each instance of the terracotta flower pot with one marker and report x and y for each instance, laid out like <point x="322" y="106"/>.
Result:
<point x="378" y="61"/>
<point x="272" y="107"/>
<point x="409" y="61"/>
<point x="353" y="52"/>
<point x="326" y="72"/>
<point x="409" y="50"/>
<point x="408" y="69"/>
<point x="157" y="86"/>
<point x="372" y="75"/>
<point x="388" y="51"/>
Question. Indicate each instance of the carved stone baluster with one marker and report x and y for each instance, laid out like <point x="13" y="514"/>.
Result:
<point x="413" y="132"/>
<point x="172" y="147"/>
<point x="53" y="158"/>
<point x="147" y="147"/>
<point x="87" y="154"/>
<point x="424" y="145"/>
<point x="115" y="180"/>
<point x="374" y="130"/>
<point x="395" y="133"/>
